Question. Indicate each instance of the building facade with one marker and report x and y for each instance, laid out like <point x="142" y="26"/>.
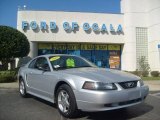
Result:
<point x="109" y="40"/>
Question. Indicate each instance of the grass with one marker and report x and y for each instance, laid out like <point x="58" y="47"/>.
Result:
<point x="7" y="76"/>
<point x="150" y="78"/>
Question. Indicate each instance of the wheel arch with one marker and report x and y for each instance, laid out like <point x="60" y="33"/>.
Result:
<point x="20" y="77"/>
<point x="74" y="109"/>
<point x="59" y="84"/>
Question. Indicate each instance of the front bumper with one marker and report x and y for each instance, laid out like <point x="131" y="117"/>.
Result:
<point x="89" y="100"/>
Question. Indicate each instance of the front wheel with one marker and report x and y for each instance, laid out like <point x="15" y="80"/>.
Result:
<point x="66" y="102"/>
<point x="22" y="88"/>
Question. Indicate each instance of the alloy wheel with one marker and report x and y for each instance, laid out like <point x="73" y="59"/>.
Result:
<point x="22" y="87"/>
<point x="63" y="101"/>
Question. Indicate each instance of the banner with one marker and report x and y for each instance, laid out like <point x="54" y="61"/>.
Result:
<point x="87" y="47"/>
<point x="44" y="46"/>
<point x="73" y="46"/>
<point x="100" y="47"/>
<point x="59" y="46"/>
<point x="114" y="47"/>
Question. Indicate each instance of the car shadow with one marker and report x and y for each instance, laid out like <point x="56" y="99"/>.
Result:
<point x="120" y="114"/>
<point x="43" y="101"/>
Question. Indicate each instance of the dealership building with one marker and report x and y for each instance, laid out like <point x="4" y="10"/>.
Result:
<point x="115" y="41"/>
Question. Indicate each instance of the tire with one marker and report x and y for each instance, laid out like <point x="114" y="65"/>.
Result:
<point x="66" y="102"/>
<point x="22" y="88"/>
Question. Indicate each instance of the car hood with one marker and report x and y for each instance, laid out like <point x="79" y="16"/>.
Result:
<point x="101" y="74"/>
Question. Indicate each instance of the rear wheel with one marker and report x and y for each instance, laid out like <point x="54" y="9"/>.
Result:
<point x="22" y="88"/>
<point x="66" y="102"/>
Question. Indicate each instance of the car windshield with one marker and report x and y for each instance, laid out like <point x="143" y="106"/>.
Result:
<point x="67" y="62"/>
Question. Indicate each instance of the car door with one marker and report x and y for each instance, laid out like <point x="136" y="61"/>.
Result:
<point x="39" y="80"/>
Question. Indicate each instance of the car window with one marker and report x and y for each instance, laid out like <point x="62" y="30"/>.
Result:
<point x="31" y="65"/>
<point x="65" y="62"/>
<point x="38" y="62"/>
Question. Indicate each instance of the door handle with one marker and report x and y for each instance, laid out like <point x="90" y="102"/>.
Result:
<point x="31" y="72"/>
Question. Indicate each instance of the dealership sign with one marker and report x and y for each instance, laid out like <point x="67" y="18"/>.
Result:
<point x="72" y="26"/>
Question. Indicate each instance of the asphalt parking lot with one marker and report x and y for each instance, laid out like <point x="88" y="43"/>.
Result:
<point x="14" y="107"/>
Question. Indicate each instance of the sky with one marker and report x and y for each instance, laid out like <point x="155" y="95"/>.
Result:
<point x="9" y="8"/>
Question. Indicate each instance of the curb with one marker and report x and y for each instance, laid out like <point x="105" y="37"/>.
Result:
<point x="13" y="85"/>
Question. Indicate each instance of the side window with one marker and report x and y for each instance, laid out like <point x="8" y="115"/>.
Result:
<point x="31" y="65"/>
<point x="41" y="62"/>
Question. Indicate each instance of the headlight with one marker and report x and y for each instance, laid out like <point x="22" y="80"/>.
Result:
<point x="141" y="82"/>
<point x="99" y="86"/>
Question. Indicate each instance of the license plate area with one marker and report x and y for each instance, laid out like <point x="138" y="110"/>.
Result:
<point x="134" y="94"/>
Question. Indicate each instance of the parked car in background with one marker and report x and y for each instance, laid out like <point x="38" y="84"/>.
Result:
<point x="73" y="83"/>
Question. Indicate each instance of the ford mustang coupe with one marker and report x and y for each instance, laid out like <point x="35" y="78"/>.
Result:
<point x="73" y="83"/>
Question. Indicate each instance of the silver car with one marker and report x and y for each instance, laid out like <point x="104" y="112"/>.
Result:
<point x="74" y="83"/>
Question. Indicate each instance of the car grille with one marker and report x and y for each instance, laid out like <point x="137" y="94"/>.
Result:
<point x="128" y="85"/>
